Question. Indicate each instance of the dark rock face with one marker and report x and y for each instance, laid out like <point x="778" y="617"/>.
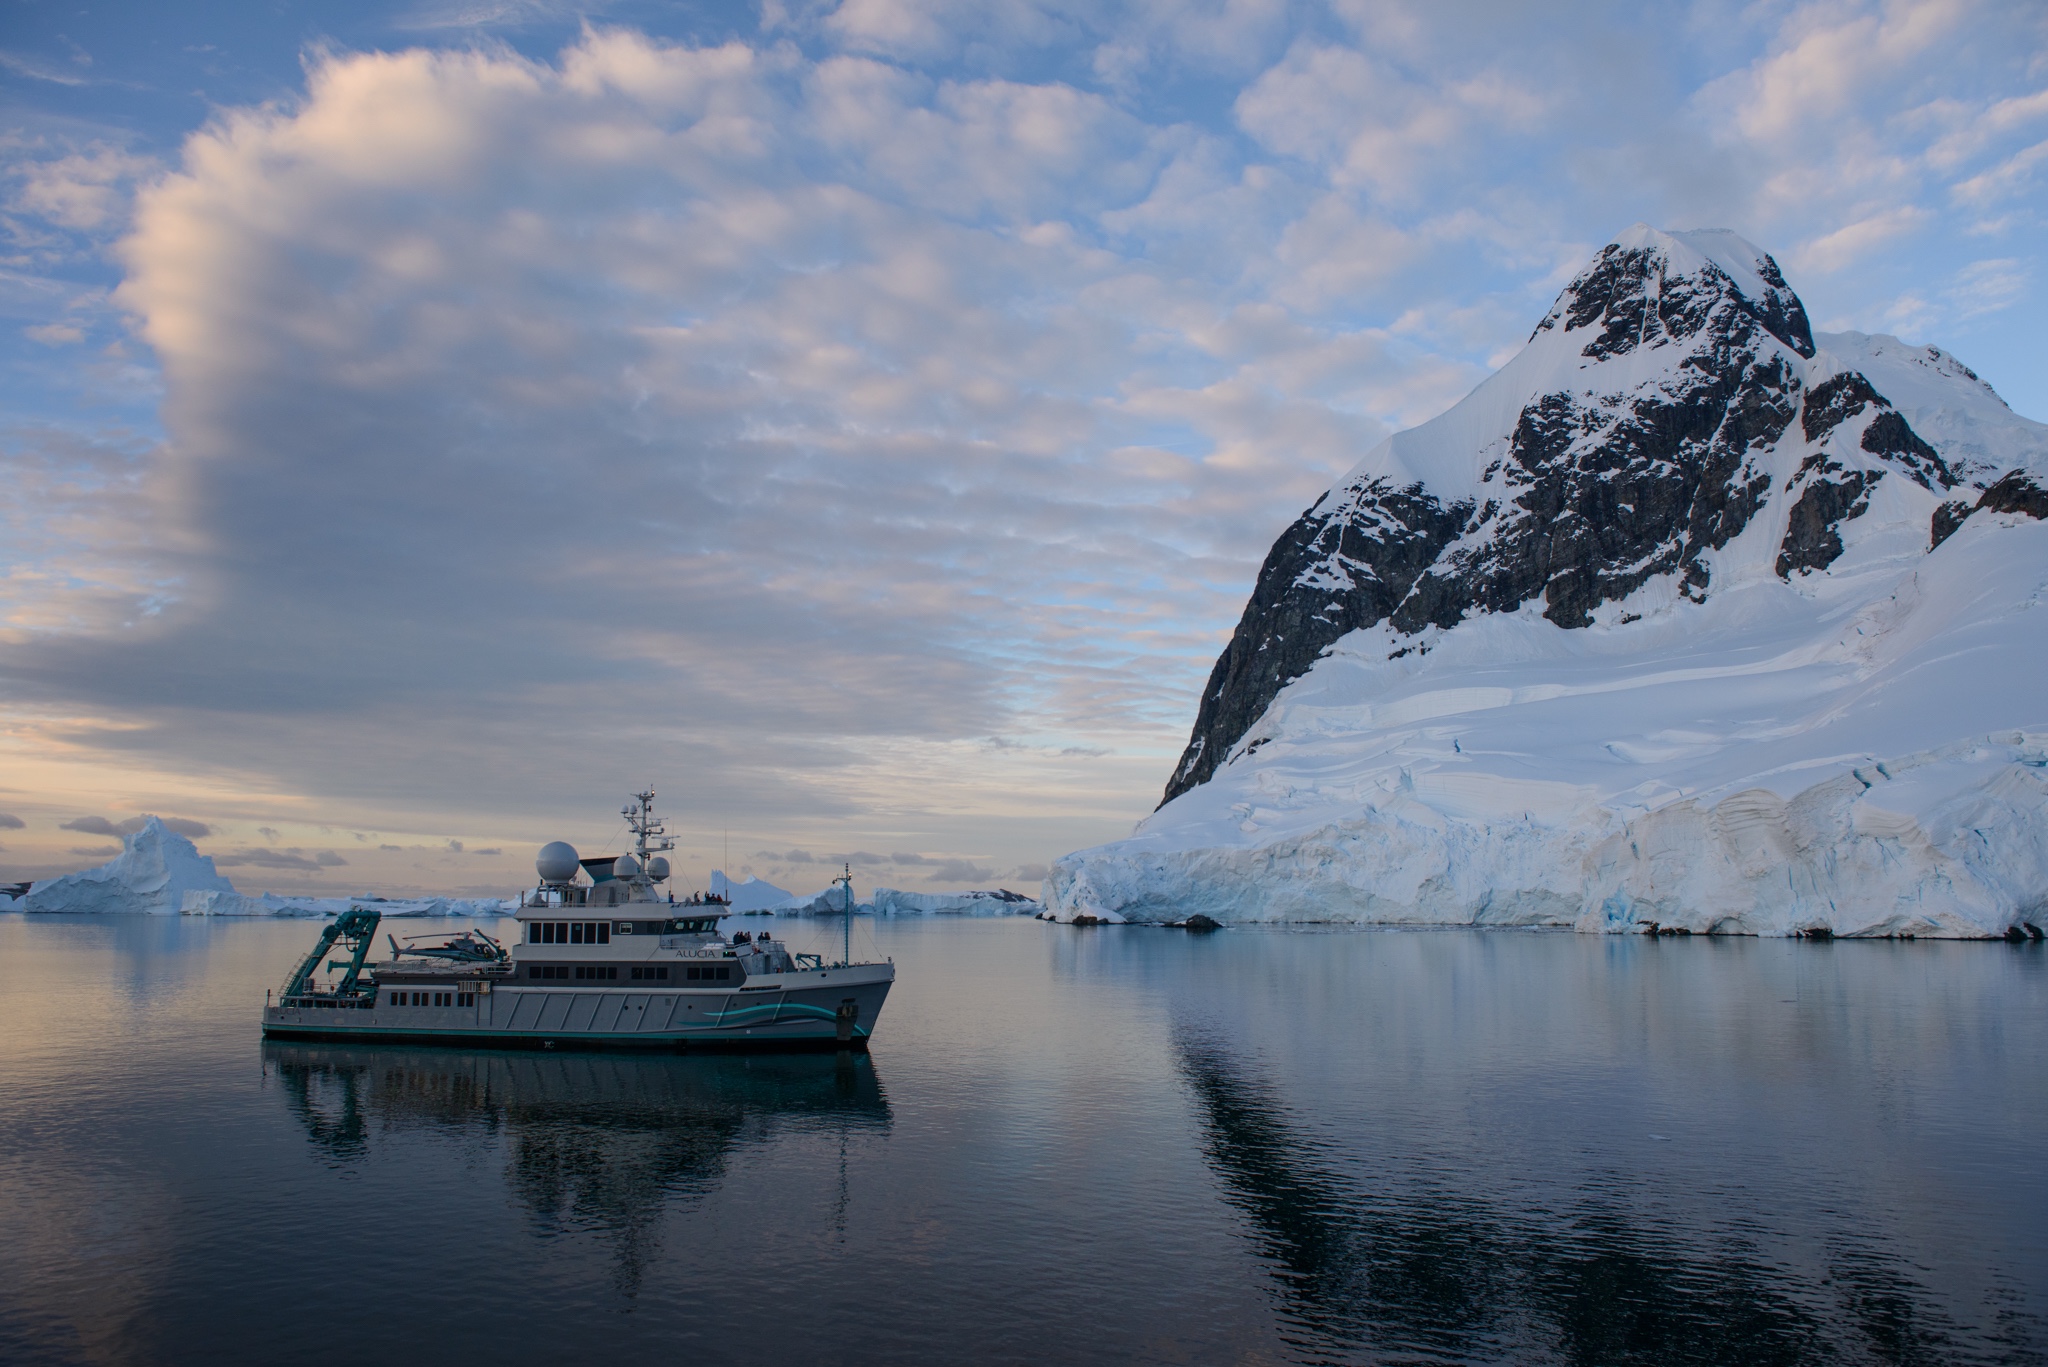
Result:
<point x="1627" y="295"/>
<point x="1811" y="541"/>
<point x="1888" y="437"/>
<point x="2015" y="493"/>
<point x="1592" y="495"/>
<point x="1604" y="497"/>
<point x="1327" y="575"/>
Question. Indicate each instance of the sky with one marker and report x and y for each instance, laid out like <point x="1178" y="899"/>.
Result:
<point x="423" y="425"/>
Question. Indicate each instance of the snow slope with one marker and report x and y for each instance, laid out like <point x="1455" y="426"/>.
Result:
<point x="1730" y="684"/>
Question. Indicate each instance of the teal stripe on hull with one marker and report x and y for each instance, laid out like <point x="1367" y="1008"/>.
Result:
<point x="663" y="1036"/>
<point x="544" y="1039"/>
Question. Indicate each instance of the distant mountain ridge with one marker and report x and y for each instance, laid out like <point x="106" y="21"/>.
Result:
<point x="1686" y="618"/>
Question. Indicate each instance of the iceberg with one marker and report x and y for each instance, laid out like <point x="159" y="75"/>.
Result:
<point x="1000" y="902"/>
<point x="749" y="894"/>
<point x="153" y="874"/>
<point x="161" y="873"/>
<point x="895" y="902"/>
<point x="211" y="903"/>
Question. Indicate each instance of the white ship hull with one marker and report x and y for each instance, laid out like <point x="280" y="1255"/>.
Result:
<point x="829" y="1008"/>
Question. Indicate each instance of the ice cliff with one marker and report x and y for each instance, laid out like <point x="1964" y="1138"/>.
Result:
<point x="1686" y="618"/>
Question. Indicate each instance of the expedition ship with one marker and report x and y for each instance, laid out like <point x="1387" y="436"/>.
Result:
<point x="609" y="963"/>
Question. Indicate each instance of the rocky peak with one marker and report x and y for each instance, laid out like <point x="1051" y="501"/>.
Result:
<point x="1672" y="395"/>
<point x="1649" y="288"/>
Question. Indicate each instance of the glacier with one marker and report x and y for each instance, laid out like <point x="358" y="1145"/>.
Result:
<point x="1685" y="620"/>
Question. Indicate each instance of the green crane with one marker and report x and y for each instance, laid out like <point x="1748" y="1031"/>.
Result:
<point x="355" y="929"/>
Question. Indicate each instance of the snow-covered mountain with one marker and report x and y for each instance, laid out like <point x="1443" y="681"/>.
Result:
<point x="1685" y="618"/>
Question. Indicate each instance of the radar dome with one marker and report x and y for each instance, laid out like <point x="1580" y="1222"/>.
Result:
<point x="657" y="868"/>
<point x="557" y="862"/>
<point x="625" y="866"/>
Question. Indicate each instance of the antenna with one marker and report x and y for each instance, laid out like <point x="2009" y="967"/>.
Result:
<point x="846" y="923"/>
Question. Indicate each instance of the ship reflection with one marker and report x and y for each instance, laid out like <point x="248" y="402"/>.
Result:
<point x="1411" y="1271"/>
<point x="594" y="1142"/>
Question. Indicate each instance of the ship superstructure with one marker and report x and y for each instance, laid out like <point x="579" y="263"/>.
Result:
<point x="602" y="958"/>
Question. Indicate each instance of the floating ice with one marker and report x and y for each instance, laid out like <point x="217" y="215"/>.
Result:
<point x="152" y="874"/>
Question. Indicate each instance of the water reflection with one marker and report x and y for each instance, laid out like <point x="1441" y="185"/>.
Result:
<point x="593" y="1142"/>
<point x="1403" y="1268"/>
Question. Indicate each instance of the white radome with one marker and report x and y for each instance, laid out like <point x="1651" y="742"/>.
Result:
<point x="657" y="868"/>
<point x="556" y="862"/>
<point x="625" y="867"/>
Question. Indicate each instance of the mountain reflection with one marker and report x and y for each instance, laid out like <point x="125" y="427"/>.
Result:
<point x="1408" y="1273"/>
<point x="594" y="1142"/>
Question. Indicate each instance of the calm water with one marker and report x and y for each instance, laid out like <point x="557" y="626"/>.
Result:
<point x="1069" y="1145"/>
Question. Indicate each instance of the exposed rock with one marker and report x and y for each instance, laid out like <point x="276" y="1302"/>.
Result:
<point x="2015" y="493"/>
<point x="1812" y="540"/>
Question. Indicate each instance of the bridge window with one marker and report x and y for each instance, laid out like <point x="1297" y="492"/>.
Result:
<point x="658" y="971"/>
<point x="548" y="971"/>
<point x="596" y="971"/>
<point x="708" y="973"/>
<point x="569" y="932"/>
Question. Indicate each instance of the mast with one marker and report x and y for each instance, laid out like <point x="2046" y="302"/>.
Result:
<point x="650" y="832"/>
<point x="846" y="920"/>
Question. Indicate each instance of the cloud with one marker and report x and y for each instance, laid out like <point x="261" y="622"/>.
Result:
<point x="2011" y="176"/>
<point x="10" y="822"/>
<point x="99" y="825"/>
<point x="91" y="825"/>
<point x="487" y="852"/>
<point x="85" y="190"/>
<point x="454" y="847"/>
<point x="1989" y="286"/>
<point x="961" y="872"/>
<point x="94" y="851"/>
<point x="279" y="859"/>
<point x="22" y="65"/>
<point x="487" y="14"/>
<point x="1845" y="245"/>
<point x="852" y="424"/>
<point x="782" y="418"/>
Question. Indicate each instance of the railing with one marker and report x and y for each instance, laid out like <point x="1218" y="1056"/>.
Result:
<point x="330" y="1003"/>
